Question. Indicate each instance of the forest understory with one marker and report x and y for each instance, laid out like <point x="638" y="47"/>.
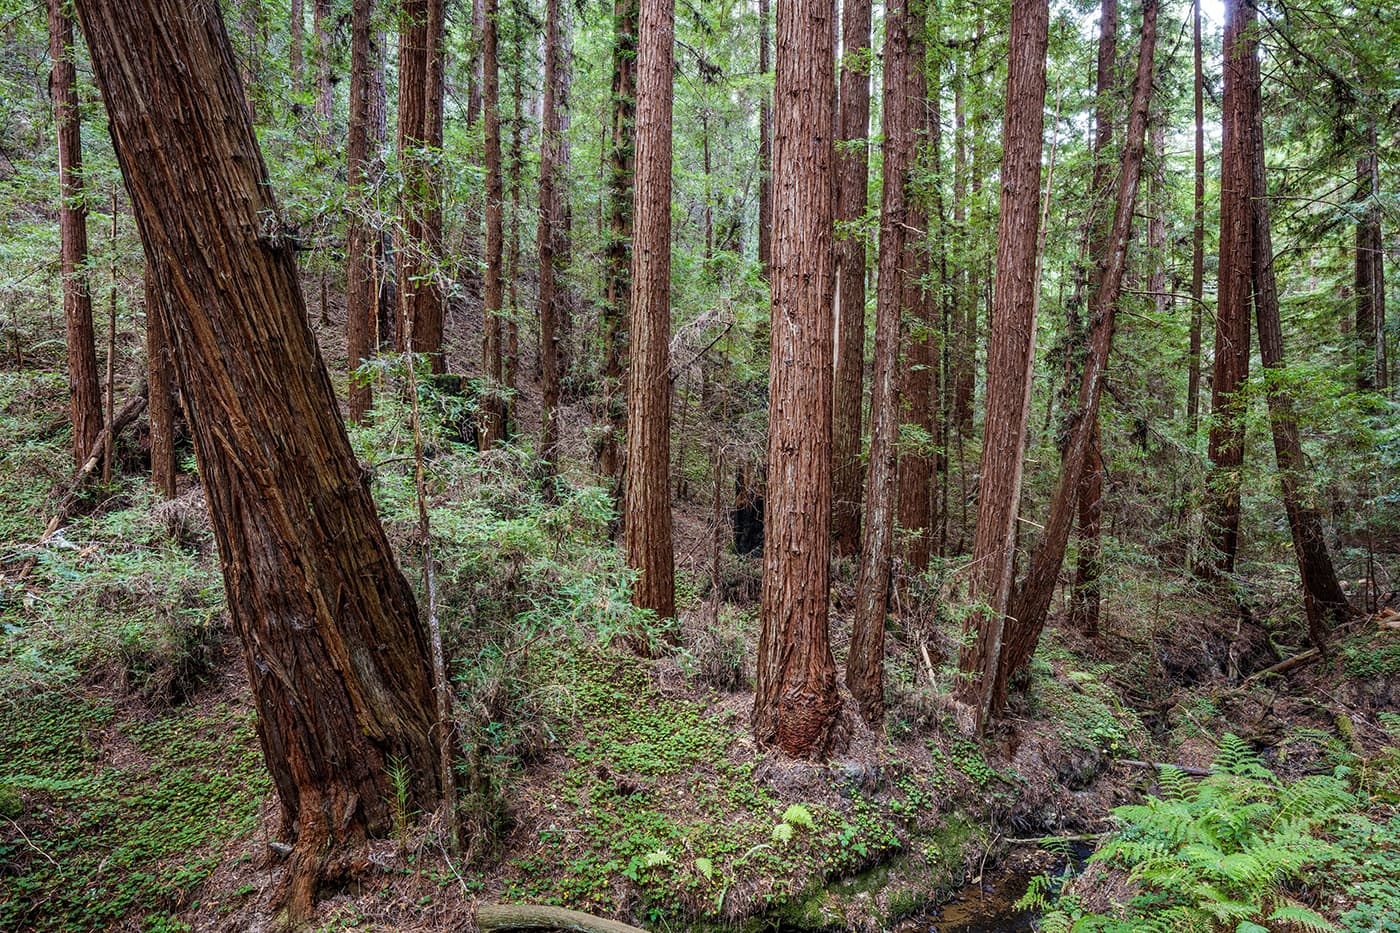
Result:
<point x="135" y="797"/>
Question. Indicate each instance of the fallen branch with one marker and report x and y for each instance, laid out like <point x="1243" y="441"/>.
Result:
<point x="1283" y="667"/>
<point x="1045" y="840"/>
<point x="120" y="422"/>
<point x="538" y="917"/>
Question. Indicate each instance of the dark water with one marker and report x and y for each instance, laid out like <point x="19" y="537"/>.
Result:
<point x="989" y="905"/>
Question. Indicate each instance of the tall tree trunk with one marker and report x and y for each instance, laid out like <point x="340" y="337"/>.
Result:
<point x="160" y="397"/>
<point x="1323" y="600"/>
<point x="361" y="289"/>
<point x="551" y="234"/>
<point x="297" y="44"/>
<point x="511" y="364"/>
<point x="1084" y="600"/>
<point x="852" y="171"/>
<point x="1371" y="369"/>
<point x="648" y="491"/>
<point x="84" y="390"/>
<point x="1198" y="234"/>
<point x="325" y="99"/>
<point x="1232" y="318"/>
<point x="474" y="75"/>
<point x="337" y="659"/>
<point x="765" y="150"/>
<point x="618" y="252"/>
<point x="420" y="129"/>
<point x="965" y="301"/>
<point x="903" y="103"/>
<point x="796" y="703"/>
<point x="1032" y="601"/>
<point x="493" y="414"/>
<point x="1010" y="356"/>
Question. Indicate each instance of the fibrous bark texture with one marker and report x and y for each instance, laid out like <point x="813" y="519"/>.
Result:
<point x="493" y="414"/>
<point x="337" y="659"/>
<point x="648" y="491"/>
<point x="903" y="103"/>
<point x="160" y="380"/>
<point x="796" y="703"/>
<point x="852" y="169"/>
<point x="361" y="290"/>
<point x="1032" y="601"/>
<point x="84" y="389"/>
<point x="550" y="236"/>
<point x="1222" y="513"/>
<point x="1010" y="355"/>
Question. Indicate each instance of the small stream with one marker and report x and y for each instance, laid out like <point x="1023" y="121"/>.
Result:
<point x="989" y="906"/>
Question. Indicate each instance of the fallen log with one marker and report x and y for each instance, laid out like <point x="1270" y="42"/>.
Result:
<point x="1158" y="766"/>
<point x="1284" y="666"/>
<point x="491" y="917"/>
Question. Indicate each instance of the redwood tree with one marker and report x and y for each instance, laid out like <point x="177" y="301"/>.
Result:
<point x="795" y="703"/>
<point x="903" y="104"/>
<point x="337" y="659"/>
<point x="648" y="497"/>
<point x="1371" y="370"/>
<point x="84" y="389"/>
<point x="1032" y="601"/>
<point x="852" y="167"/>
<point x="549" y="238"/>
<point x="493" y="420"/>
<point x="1198" y="232"/>
<point x="1222" y="512"/>
<point x="160" y="399"/>
<point x="1010" y="356"/>
<point x="1323" y="600"/>
<point x="361" y="290"/>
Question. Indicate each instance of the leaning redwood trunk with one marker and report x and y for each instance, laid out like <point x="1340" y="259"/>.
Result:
<point x="796" y="703"/>
<point x="1032" y="601"/>
<point x="1222" y="512"/>
<point x="902" y="104"/>
<point x="1010" y="356"/>
<point x="1323" y="600"/>
<point x="84" y="390"/>
<point x="851" y="181"/>
<point x="648" y="491"/>
<point x="337" y="659"/>
<point x="361" y="292"/>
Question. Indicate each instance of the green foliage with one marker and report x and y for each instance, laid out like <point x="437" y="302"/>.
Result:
<point x="1234" y="851"/>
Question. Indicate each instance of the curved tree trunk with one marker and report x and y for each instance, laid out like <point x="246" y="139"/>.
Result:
<point x="1010" y="356"/>
<point x="796" y="702"/>
<point x="903" y="103"/>
<point x="852" y="169"/>
<point x="337" y="659"/>
<point x="1323" y="600"/>
<point x="648" y="492"/>
<point x="84" y="388"/>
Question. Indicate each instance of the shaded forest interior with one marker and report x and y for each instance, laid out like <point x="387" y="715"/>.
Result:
<point x="753" y="464"/>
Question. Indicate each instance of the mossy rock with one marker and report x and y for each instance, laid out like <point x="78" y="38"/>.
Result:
<point x="11" y="804"/>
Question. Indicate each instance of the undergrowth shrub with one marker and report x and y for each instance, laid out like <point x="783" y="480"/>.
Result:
<point x="1236" y="850"/>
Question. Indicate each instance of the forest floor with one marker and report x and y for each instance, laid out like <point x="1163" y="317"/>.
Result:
<point x="132" y="793"/>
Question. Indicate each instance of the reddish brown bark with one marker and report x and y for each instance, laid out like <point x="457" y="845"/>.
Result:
<point x="160" y="382"/>
<point x="852" y="169"/>
<point x="796" y="702"/>
<point x="1010" y="355"/>
<point x="84" y="390"/>
<point x="1086" y="594"/>
<point x="963" y="372"/>
<point x="420" y="129"/>
<point x="321" y="40"/>
<point x="1222" y="512"/>
<point x="553" y="256"/>
<point x="1032" y="600"/>
<point x="618" y="252"/>
<point x="1198" y="234"/>
<point x="361" y="290"/>
<point x="648" y="490"/>
<point x="337" y="660"/>
<point x="1323" y="600"/>
<point x="917" y="382"/>
<point x="493" y="415"/>
<point x="765" y="151"/>
<point x="1371" y="369"/>
<point x="903" y="103"/>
